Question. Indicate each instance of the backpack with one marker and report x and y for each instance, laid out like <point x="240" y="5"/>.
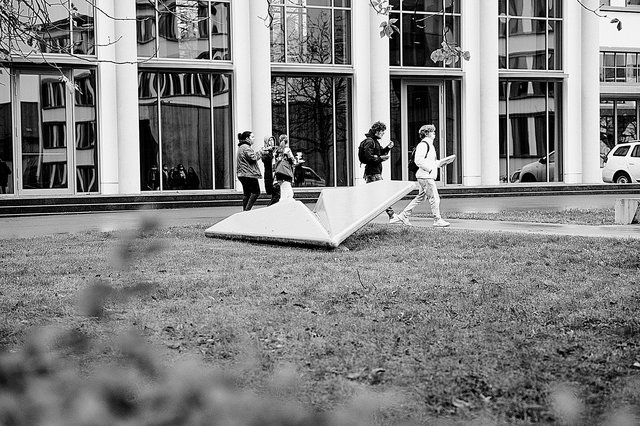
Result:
<point x="361" y="153"/>
<point x="413" y="167"/>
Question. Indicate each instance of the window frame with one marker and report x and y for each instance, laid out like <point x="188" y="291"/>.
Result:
<point x="285" y="126"/>
<point x="283" y="7"/>
<point x="630" y="70"/>
<point x="557" y="17"/>
<point x="150" y="88"/>
<point x="66" y="48"/>
<point x="400" y="13"/>
<point x="155" y="56"/>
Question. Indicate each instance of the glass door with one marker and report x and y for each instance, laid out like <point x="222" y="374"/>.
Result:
<point x="43" y="134"/>
<point x="422" y="104"/>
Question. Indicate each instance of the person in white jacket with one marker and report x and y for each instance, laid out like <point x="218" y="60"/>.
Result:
<point x="428" y="164"/>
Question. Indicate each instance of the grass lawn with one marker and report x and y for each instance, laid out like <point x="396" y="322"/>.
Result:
<point x="569" y="216"/>
<point x="444" y="325"/>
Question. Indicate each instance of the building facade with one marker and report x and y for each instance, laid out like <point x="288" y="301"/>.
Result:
<point x="133" y="96"/>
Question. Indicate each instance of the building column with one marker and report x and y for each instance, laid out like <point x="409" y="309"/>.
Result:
<point x="590" y="95"/>
<point x="380" y="105"/>
<point x="126" y="53"/>
<point x="260" y="75"/>
<point x="361" y="48"/>
<point x="489" y="100"/>
<point x="572" y="94"/>
<point x="106" y="99"/>
<point x="243" y="20"/>
<point x="471" y="124"/>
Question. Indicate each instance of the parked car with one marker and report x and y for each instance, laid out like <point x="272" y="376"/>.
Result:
<point x="536" y="171"/>
<point x="622" y="164"/>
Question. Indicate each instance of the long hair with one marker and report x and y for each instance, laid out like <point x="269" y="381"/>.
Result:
<point x="283" y="141"/>
<point x="282" y="145"/>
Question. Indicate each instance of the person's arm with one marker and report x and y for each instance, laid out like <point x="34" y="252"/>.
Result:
<point x="289" y="154"/>
<point x="386" y="149"/>
<point x="251" y="155"/>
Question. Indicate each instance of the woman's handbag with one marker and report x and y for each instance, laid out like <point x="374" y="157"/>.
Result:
<point x="284" y="167"/>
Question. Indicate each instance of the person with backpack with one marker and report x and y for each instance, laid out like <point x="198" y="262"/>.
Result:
<point x="372" y="155"/>
<point x="426" y="159"/>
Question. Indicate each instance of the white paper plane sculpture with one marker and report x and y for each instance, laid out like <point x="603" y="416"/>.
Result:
<point x="338" y="213"/>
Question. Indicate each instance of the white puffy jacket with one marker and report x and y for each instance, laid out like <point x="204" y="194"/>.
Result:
<point x="428" y="166"/>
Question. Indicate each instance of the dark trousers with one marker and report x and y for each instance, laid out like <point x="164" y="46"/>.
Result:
<point x="272" y="188"/>
<point x="375" y="178"/>
<point x="250" y="190"/>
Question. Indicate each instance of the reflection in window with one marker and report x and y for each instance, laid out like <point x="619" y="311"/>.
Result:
<point x="176" y="147"/>
<point x="6" y="142"/>
<point x="607" y="129"/>
<point x="530" y="135"/>
<point x="313" y="32"/>
<point x="180" y="30"/>
<point x="85" y="131"/>
<point x="43" y="130"/>
<point x="423" y="25"/>
<point x="618" y="121"/>
<point x="627" y="121"/>
<point x="57" y="28"/>
<point x="315" y="112"/>
<point x="530" y="35"/>
<point x="183" y="29"/>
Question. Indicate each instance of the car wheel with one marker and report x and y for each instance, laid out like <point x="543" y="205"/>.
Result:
<point x="622" y="178"/>
<point x="527" y="178"/>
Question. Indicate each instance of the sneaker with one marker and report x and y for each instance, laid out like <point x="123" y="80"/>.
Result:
<point x="441" y="223"/>
<point x="399" y="218"/>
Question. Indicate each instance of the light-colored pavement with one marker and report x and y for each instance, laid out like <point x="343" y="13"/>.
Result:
<point x="603" y="231"/>
<point x="31" y="226"/>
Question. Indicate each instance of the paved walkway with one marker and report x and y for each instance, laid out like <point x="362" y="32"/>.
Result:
<point x="32" y="226"/>
<point x="602" y="231"/>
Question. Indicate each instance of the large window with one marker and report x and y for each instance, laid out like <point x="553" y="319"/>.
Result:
<point x="530" y="131"/>
<point x="183" y="29"/>
<point x="185" y="131"/>
<point x="311" y="31"/>
<point x="315" y="112"/>
<point x="61" y="26"/>
<point x="530" y="34"/>
<point x="424" y="25"/>
<point x="6" y="141"/>
<point x="618" y="123"/>
<point x="620" y="67"/>
<point x="86" y="134"/>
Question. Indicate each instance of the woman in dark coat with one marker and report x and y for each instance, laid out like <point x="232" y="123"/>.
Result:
<point x="248" y="170"/>
<point x="193" y="181"/>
